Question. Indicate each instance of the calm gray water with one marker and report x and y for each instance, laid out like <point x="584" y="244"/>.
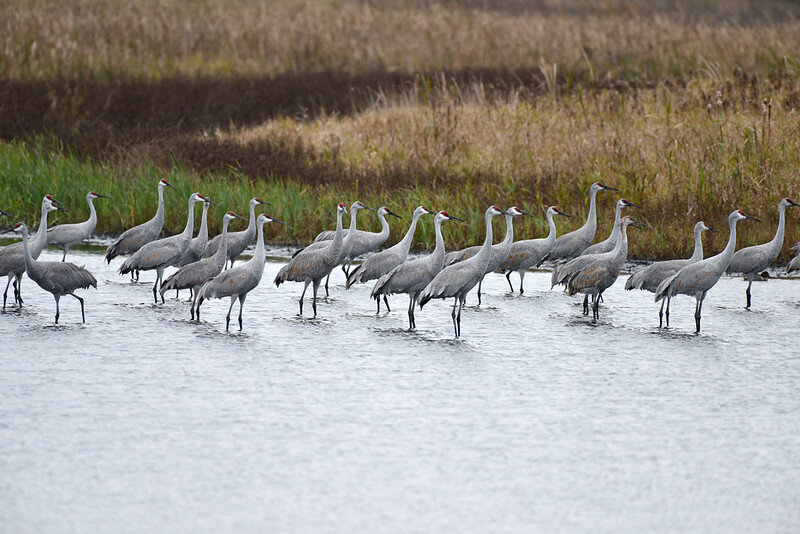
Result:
<point x="141" y="420"/>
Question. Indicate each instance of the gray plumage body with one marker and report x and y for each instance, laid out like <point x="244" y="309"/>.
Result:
<point x="12" y="257"/>
<point x="697" y="278"/>
<point x="458" y="279"/>
<point x="162" y="253"/>
<point x="131" y="240"/>
<point x="364" y="241"/>
<point x="384" y="261"/>
<point x="651" y="276"/>
<point x="572" y="244"/>
<point x="56" y="277"/>
<point x="311" y="266"/>
<point x="794" y="264"/>
<point x="499" y="253"/>
<point x="593" y="274"/>
<point x="68" y="235"/>
<point x="530" y="253"/>
<point x="238" y="281"/>
<point x="414" y="276"/>
<point x="237" y="241"/>
<point x="194" y="275"/>
<point x="750" y="261"/>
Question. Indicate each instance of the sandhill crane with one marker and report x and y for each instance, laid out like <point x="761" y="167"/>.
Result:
<point x="163" y="253"/>
<point x="312" y="266"/>
<point x="381" y="263"/>
<point x="56" y="277"/>
<point x="194" y="275"/>
<point x="197" y="247"/>
<point x="571" y="245"/>
<point x="133" y="239"/>
<point x="531" y="252"/>
<point x="362" y="243"/>
<point x="414" y="276"/>
<point x="752" y="260"/>
<point x="499" y="251"/>
<point x="651" y="276"/>
<point x="238" y="281"/>
<point x="12" y="257"/>
<point x="794" y="265"/>
<point x="594" y="273"/>
<point x="697" y="278"/>
<point x="458" y="279"/>
<point x="67" y="235"/>
<point x="6" y="214"/>
<point x="609" y="244"/>
<point x="238" y="241"/>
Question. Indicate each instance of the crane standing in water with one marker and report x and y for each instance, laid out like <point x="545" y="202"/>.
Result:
<point x="238" y="281"/>
<point x="131" y="240"/>
<point x="67" y="235"/>
<point x="238" y="241"/>
<point x="12" y="257"/>
<point x="697" y="278"/>
<point x="651" y="276"/>
<point x="414" y="276"/>
<point x="59" y="278"/>
<point x="752" y="260"/>
<point x="458" y="279"/>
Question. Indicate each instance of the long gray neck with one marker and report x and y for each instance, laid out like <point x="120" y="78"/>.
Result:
<point x="727" y="253"/>
<point x="30" y="262"/>
<point x="620" y="252"/>
<point x="551" y="237"/>
<point x="697" y="255"/>
<point x="615" y="229"/>
<point x="332" y="252"/>
<point x="347" y="246"/>
<point x="777" y="242"/>
<point x="439" y="249"/>
<point x="259" y="254"/>
<point x="203" y="232"/>
<point x="159" y="218"/>
<point x="189" y="230"/>
<point x="39" y="239"/>
<point x="92" y="221"/>
<point x="591" y="219"/>
<point x="222" y="251"/>
<point x="405" y="243"/>
<point x="384" y="233"/>
<point x="509" y="230"/>
<point x="486" y="249"/>
<point x="251" y="226"/>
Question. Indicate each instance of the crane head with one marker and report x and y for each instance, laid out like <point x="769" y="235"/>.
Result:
<point x="625" y="203"/>
<point x="358" y="205"/>
<point x="264" y="218"/>
<point x="790" y="202"/>
<point x="739" y="215"/>
<point x="164" y="183"/>
<point x="231" y="216"/>
<point x="446" y="216"/>
<point x="341" y="208"/>
<point x="557" y="211"/>
<point x="92" y="194"/>
<point x="383" y="210"/>
<point x="600" y="186"/>
<point x="256" y="201"/>
<point x="516" y="212"/>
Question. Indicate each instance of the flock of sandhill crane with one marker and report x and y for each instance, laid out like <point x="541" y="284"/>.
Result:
<point x="579" y="266"/>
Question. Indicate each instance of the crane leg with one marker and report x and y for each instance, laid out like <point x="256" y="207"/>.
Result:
<point x="83" y="315"/>
<point x="137" y="275"/>
<point x="228" y="317"/>
<point x="378" y="302"/>
<point x="18" y="290"/>
<point x="586" y="304"/>
<point x="197" y="308"/>
<point x="508" y="277"/>
<point x="386" y="301"/>
<point x="453" y="315"/>
<point x="596" y="309"/>
<point x="462" y="301"/>
<point x="57" y="297"/>
<point x="302" y="296"/>
<point x="155" y="291"/>
<point x="747" y="292"/>
<point x="698" y="311"/>
<point x="521" y="279"/>
<point x="410" y="312"/>
<point x="5" y="294"/>
<point x="669" y="299"/>
<point x="661" y="313"/>
<point x="479" y="291"/>
<point x="328" y="279"/>
<point x="314" y="302"/>
<point x="241" y="305"/>
<point x="64" y="257"/>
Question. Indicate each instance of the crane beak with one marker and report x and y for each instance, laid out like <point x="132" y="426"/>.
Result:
<point x="712" y="230"/>
<point x="390" y="212"/>
<point x="754" y="218"/>
<point x="239" y="217"/>
<point x="170" y="185"/>
<point x="610" y="188"/>
<point x="638" y="224"/>
<point x="209" y="201"/>
<point x="564" y="214"/>
<point x="793" y="203"/>
<point x="632" y="205"/>
<point x="456" y="218"/>
<point x="526" y="213"/>
<point x="59" y="207"/>
<point x="277" y="221"/>
<point x="368" y="208"/>
<point x="264" y="202"/>
<point x="6" y="214"/>
<point x="101" y="196"/>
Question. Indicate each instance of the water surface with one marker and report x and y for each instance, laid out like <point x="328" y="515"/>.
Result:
<point x="141" y="420"/>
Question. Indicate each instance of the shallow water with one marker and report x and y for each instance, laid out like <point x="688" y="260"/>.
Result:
<point x="142" y="420"/>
